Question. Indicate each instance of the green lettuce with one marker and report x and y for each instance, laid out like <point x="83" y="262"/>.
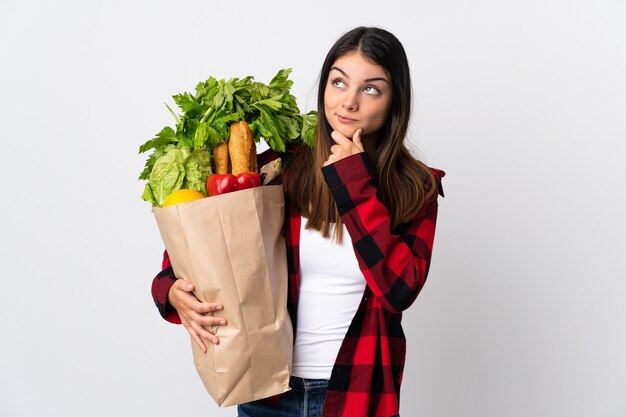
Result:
<point x="167" y="176"/>
<point x="197" y="169"/>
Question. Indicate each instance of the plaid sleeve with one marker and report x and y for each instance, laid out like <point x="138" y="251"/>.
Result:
<point x="161" y="285"/>
<point x="395" y="263"/>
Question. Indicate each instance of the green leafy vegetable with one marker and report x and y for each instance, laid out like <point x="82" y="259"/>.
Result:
<point x="197" y="169"/>
<point x="270" y="110"/>
<point x="167" y="176"/>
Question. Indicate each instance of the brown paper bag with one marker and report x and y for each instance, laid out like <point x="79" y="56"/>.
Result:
<point x="231" y="248"/>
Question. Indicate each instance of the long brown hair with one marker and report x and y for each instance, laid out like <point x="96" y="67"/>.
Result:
<point x="405" y="184"/>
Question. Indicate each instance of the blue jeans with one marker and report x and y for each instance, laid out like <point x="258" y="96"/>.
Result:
<point x="305" y="399"/>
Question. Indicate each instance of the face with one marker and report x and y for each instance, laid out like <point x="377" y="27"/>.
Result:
<point x="357" y="95"/>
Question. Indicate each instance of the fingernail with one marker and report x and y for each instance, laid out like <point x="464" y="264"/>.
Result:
<point x="219" y="307"/>
<point x="222" y="321"/>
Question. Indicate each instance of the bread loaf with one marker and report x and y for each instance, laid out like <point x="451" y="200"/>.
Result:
<point x="242" y="148"/>
<point x="221" y="159"/>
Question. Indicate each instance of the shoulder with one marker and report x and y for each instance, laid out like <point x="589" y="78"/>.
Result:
<point x="438" y="174"/>
<point x="429" y="175"/>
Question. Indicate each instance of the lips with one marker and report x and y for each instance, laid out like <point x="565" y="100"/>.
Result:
<point x="346" y="120"/>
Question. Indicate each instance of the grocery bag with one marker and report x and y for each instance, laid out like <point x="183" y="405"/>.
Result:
<point x="231" y="247"/>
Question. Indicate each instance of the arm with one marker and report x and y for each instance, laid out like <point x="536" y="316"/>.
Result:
<point x="177" y="304"/>
<point x="395" y="264"/>
<point x="161" y="285"/>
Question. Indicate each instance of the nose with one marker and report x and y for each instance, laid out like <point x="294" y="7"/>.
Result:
<point x="350" y="102"/>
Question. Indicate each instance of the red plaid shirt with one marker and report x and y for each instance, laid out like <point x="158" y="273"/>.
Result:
<point x="366" y="377"/>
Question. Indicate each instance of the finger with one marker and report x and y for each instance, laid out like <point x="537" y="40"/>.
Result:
<point x="339" y="138"/>
<point x="184" y="285"/>
<point x="331" y="160"/>
<point x="356" y="139"/>
<point x="197" y="339"/>
<point x="203" y="308"/>
<point x="205" y="334"/>
<point x="205" y="320"/>
<point x="180" y="298"/>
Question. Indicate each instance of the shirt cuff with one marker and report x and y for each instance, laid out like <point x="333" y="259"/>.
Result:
<point x="351" y="168"/>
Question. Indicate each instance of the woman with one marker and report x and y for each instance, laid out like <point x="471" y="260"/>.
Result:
<point x="360" y="230"/>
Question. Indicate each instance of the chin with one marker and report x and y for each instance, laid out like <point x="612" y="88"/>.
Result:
<point x="347" y="131"/>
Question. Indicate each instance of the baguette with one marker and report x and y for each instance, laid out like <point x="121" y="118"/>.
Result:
<point x="242" y="148"/>
<point x="221" y="159"/>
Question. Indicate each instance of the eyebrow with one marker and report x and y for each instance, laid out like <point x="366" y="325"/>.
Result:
<point x="367" y="80"/>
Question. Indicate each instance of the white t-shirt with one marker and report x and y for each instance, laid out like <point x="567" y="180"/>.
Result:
<point x="331" y="288"/>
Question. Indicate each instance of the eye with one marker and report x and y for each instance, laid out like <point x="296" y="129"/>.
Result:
<point x="370" y="89"/>
<point x="338" y="82"/>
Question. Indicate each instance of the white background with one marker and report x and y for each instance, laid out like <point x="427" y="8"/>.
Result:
<point x="521" y="103"/>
